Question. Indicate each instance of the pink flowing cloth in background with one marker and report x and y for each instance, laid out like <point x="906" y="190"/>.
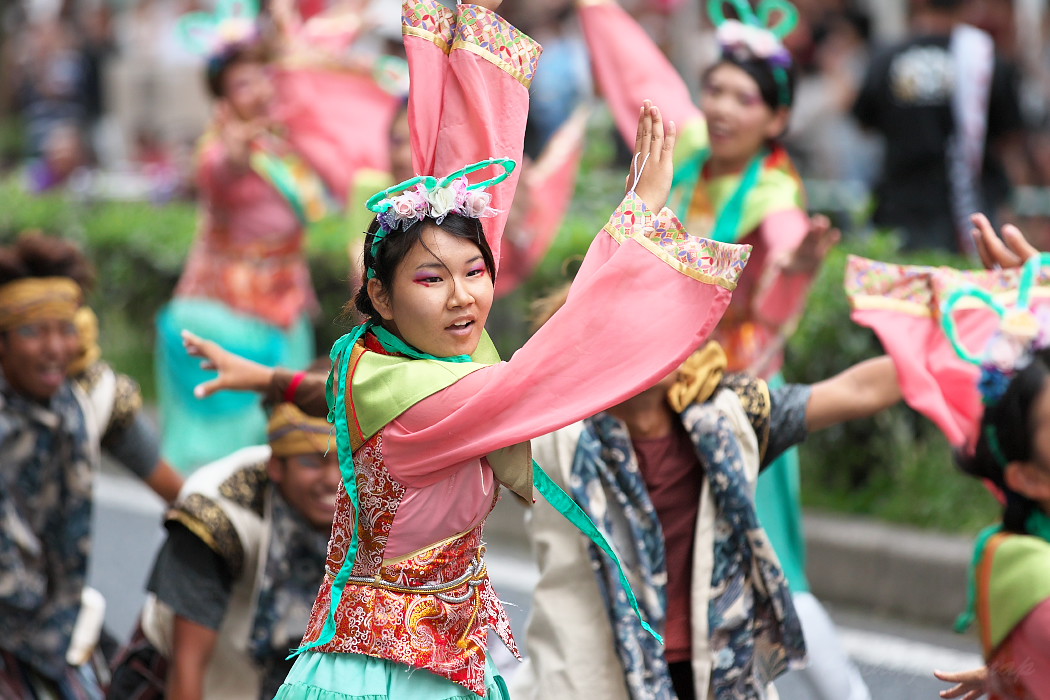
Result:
<point x="547" y="186"/>
<point x="902" y="304"/>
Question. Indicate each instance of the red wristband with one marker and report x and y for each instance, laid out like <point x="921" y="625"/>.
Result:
<point x="289" y="393"/>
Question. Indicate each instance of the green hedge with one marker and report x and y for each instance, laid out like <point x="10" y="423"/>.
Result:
<point x="895" y="466"/>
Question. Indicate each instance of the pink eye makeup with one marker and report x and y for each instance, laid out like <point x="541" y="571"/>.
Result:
<point x="426" y="278"/>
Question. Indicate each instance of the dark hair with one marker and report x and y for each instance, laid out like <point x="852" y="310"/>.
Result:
<point x="220" y="64"/>
<point x="762" y="73"/>
<point x="1010" y="421"/>
<point x="37" y="255"/>
<point x="396" y="246"/>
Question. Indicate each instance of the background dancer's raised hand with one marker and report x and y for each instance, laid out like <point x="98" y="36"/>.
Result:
<point x="1012" y="250"/>
<point x="236" y="373"/>
<point x="807" y="258"/>
<point x="652" y="169"/>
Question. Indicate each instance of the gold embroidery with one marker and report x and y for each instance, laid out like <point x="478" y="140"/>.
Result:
<point x="205" y="519"/>
<point x="245" y="487"/>
<point x="754" y="397"/>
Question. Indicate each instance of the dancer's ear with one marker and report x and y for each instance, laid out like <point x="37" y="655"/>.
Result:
<point x="380" y="297"/>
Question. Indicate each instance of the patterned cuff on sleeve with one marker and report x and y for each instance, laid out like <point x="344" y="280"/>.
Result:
<point x="630" y="220"/>
<point x="429" y="20"/>
<point x="665" y="236"/>
<point x="485" y="33"/>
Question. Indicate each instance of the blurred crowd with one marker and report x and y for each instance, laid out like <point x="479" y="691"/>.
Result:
<point x="102" y="86"/>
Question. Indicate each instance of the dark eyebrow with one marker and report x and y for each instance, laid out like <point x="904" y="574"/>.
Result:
<point x="429" y="265"/>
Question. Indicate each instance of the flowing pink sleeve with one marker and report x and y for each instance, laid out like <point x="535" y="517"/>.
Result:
<point x="427" y="26"/>
<point x="628" y="323"/>
<point x="903" y="303"/>
<point x="545" y="194"/>
<point x="486" y="104"/>
<point x="629" y="68"/>
<point x="780" y="296"/>
<point x="339" y="120"/>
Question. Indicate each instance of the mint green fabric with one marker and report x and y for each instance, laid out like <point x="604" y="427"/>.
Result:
<point x="321" y="676"/>
<point x="200" y="431"/>
<point x="1019" y="582"/>
<point x="778" y="501"/>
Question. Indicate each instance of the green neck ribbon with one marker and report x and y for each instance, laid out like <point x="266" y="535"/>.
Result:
<point x="729" y="218"/>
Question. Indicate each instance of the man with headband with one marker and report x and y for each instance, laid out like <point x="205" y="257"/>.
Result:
<point x="51" y="430"/>
<point x="49" y="455"/>
<point x="233" y="585"/>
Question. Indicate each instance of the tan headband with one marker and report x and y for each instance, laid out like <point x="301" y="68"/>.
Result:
<point x="35" y="299"/>
<point x="291" y="432"/>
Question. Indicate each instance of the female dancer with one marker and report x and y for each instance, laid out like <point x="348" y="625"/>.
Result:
<point x="287" y="141"/>
<point x="736" y="183"/>
<point x="995" y="409"/>
<point x="427" y="428"/>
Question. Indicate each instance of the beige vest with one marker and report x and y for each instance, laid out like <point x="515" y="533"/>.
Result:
<point x="231" y="674"/>
<point x="571" y="649"/>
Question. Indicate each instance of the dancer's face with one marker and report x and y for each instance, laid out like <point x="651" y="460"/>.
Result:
<point x="36" y="356"/>
<point x="739" y="121"/>
<point x="440" y="296"/>
<point x="309" y="483"/>
<point x="248" y="90"/>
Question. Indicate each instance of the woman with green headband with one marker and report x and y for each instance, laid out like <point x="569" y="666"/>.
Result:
<point x="429" y="423"/>
<point x="972" y="351"/>
<point x="735" y="182"/>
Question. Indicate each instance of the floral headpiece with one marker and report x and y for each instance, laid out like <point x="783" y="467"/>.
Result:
<point x="1020" y="334"/>
<point x="415" y="199"/>
<point x="1012" y="347"/>
<point x="754" y="37"/>
<point x="214" y="35"/>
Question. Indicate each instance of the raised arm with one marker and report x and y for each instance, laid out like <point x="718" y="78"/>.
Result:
<point x="858" y="392"/>
<point x="629" y="68"/>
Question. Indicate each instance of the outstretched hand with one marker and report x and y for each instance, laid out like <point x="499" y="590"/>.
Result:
<point x="1012" y="250"/>
<point x="970" y="684"/>
<point x="236" y="373"/>
<point x="810" y="254"/>
<point x="652" y="169"/>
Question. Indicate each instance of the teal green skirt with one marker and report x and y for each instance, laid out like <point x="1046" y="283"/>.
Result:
<point x="321" y="676"/>
<point x="198" y="431"/>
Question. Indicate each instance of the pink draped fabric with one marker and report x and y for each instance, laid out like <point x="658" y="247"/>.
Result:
<point x="580" y="362"/>
<point x="470" y="103"/>
<point x="548" y="186"/>
<point x="339" y="121"/>
<point x="902" y="304"/>
<point x="630" y="68"/>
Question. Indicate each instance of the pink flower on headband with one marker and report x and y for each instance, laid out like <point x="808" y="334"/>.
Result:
<point x="477" y="205"/>
<point x="409" y="205"/>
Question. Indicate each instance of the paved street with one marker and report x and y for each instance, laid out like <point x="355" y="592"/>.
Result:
<point x="896" y="659"/>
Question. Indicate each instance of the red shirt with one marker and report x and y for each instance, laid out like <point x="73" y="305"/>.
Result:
<point x="674" y="477"/>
